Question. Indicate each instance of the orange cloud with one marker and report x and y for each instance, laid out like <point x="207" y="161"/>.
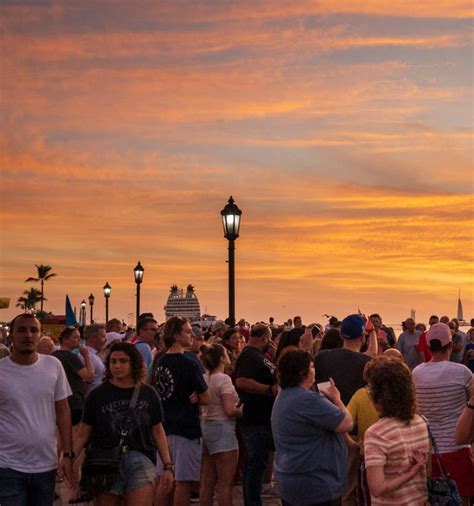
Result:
<point x="347" y="145"/>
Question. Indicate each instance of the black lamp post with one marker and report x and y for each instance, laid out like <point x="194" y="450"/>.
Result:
<point x="107" y="288"/>
<point x="231" y="221"/>
<point x="83" y="312"/>
<point x="138" y="273"/>
<point x="91" y="304"/>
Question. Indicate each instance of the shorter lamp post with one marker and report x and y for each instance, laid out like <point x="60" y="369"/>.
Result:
<point x="231" y="215"/>
<point x="91" y="304"/>
<point x="138" y="273"/>
<point x="83" y="312"/>
<point x="107" y="288"/>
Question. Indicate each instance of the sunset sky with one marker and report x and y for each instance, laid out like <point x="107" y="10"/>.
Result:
<point x="343" y="130"/>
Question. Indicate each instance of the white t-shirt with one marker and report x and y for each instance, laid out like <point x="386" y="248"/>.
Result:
<point x="28" y="415"/>
<point x="442" y="389"/>
<point x="218" y="383"/>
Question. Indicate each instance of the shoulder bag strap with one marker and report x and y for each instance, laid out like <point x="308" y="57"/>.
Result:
<point x="133" y="403"/>
<point x="136" y="393"/>
<point x="443" y="472"/>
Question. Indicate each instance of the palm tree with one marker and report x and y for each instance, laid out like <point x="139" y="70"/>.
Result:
<point x="43" y="275"/>
<point x="29" y="299"/>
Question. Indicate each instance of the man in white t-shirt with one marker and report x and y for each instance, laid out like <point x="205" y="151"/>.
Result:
<point x="33" y="401"/>
<point x="407" y="344"/>
<point x="442" y="390"/>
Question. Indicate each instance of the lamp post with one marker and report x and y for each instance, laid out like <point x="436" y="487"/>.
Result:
<point x="83" y="312"/>
<point x="138" y="273"/>
<point x="231" y="221"/>
<point x="91" y="304"/>
<point x="107" y="288"/>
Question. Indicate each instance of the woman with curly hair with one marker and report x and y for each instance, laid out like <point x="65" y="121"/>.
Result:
<point x="107" y="413"/>
<point x="397" y="446"/>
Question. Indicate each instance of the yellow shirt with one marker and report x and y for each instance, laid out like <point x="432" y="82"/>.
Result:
<point x="363" y="413"/>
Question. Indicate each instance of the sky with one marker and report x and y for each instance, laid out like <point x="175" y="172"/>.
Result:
<point x="343" y="130"/>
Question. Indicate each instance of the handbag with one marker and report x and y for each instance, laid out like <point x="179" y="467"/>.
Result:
<point x="100" y="471"/>
<point x="442" y="491"/>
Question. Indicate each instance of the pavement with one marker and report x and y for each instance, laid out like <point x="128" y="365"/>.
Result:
<point x="63" y="492"/>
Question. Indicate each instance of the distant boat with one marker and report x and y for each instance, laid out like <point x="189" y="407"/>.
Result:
<point x="460" y="315"/>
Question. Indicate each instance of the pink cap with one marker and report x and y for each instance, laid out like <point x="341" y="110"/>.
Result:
<point x="441" y="332"/>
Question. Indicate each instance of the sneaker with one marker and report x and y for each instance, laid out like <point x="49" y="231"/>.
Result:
<point x="269" y="490"/>
<point x="194" y="497"/>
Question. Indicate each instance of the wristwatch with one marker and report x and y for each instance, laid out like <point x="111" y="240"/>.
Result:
<point x="168" y="466"/>
<point x="69" y="455"/>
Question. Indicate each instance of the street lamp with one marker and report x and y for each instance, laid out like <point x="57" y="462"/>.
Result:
<point x="138" y="273"/>
<point x="107" y="288"/>
<point x="83" y="312"/>
<point x="231" y="221"/>
<point x="91" y="304"/>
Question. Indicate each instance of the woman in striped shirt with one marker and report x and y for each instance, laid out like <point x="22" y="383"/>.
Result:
<point x="397" y="446"/>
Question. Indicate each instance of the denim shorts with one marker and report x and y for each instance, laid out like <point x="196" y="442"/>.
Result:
<point x="219" y="436"/>
<point x="136" y="470"/>
<point x="186" y="455"/>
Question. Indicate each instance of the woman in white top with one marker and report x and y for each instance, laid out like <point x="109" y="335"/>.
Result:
<point x="220" y="452"/>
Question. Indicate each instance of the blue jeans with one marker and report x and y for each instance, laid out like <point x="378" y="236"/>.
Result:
<point x="26" y="489"/>
<point x="258" y="442"/>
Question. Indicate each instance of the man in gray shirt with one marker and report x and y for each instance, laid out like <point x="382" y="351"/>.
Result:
<point x="407" y="344"/>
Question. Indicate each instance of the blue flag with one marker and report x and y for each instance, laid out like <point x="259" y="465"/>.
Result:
<point x="70" y="316"/>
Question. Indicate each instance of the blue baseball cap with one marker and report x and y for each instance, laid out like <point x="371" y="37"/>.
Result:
<point x="353" y="326"/>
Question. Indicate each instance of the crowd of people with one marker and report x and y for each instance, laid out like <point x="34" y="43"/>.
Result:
<point x="172" y="414"/>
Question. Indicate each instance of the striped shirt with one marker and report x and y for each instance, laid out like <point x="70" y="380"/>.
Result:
<point x="442" y="389"/>
<point x="390" y="443"/>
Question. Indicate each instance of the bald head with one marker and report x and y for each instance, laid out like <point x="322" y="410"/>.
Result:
<point x="393" y="353"/>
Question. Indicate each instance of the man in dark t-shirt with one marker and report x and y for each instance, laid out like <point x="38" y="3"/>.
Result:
<point x="182" y="389"/>
<point x="256" y="386"/>
<point x="176" y="378"/>
<point x="77" y="373"/>
<point x="346" y="367"/>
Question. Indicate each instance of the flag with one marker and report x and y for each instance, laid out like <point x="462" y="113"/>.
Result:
<point x="70" y="316"/>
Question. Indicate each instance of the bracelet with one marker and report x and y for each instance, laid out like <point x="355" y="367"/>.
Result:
<point x="469" y="405"/>
<point x="69" y="455"/>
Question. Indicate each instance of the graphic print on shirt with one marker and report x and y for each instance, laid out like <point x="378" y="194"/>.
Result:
<point x="121" y="417"/>
<point x="164" y="382"/>
<point x="270" y="365"/>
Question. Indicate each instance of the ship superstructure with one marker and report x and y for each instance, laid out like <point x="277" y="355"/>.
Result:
<point x="183" y="304"/>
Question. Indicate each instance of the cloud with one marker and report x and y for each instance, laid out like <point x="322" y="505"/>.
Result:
<point x="342" y="129"/>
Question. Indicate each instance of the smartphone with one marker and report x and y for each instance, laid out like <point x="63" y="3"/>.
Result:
<point x="323" y="386"/>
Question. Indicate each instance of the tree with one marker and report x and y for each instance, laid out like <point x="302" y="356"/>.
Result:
<point x="43" y="275"/>
<point x="29" y="299"/>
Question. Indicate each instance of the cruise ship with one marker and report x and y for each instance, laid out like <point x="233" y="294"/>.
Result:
<point x="185" y="305"/>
